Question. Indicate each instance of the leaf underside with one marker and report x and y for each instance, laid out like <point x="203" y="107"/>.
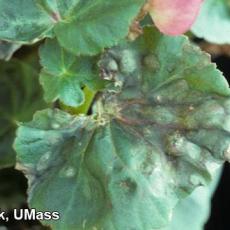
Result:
<point x="159" y="130"/>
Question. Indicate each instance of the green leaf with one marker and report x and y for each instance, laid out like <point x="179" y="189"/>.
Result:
<point x="24" y="21"/>
<point x="81" y="26"/>
<point x="151" y="140"/>
<point x="95" y="24"/>
<point x="194" y="210"/>
<point x="213" y="22"/>
<point x="64" y="74"/>
<point x="7" y="49"/>
<point x="20" y="97"/>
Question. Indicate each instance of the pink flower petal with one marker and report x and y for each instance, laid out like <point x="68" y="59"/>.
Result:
<point x="174" y="17"/>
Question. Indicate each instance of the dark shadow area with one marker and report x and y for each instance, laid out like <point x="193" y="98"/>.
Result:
<point x="13" y="196"/>
<point x="219" y="219"/>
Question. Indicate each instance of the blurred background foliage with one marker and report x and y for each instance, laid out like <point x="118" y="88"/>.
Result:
<point x="20" y="97"/>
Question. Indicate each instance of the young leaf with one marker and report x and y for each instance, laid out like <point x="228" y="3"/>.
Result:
<point x="174" y="17"/>
<point x="64" y="74"/>
<point x="160" y="133"/>
<point x="20" y="97"/>
<point x="81" y="26"/>
<point x="7" y="49"/>
<point x="213" y="22"/>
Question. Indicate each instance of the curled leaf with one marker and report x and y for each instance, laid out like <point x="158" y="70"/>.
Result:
<point x="174" y="17"/>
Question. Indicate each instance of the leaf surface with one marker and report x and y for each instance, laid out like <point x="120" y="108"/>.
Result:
<point x="64" y="74"/>
<point x="94" y="25"/>
<point x="24" y="21"/>
<point x="194" y="210"/>
<point x="81" y="26"/>
<point x="159" y="133"/>
<point x="213" y="22"/>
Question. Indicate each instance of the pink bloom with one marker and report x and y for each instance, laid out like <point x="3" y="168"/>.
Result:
<point x="174" y="17"/>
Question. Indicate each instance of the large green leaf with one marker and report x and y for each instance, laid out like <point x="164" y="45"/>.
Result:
<point x="81" y="26"/>
<point x="20" y="97"/>
<point x="95" y="24"/>
<point x="64" y="74"/>
<point x="160" y="132"/>
<point x="213" y="22"/>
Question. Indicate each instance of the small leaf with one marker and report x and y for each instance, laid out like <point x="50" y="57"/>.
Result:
<point x="84" y="108"/>
<point x="20" y="97"/>
<point x="151" y="140"/>
<point x="213" y="22"/>
<point x="64" y="74"/>
<point x="7" y="49"/>
<point x="174" y="17"/>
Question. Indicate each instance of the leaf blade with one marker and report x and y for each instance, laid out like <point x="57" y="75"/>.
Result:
<point x="25" y="25"/>
<point x="64" y="75"/>
<point x="149" y="143"/>
<point x="96" y="25"/>
<point x="207" y="25"/>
